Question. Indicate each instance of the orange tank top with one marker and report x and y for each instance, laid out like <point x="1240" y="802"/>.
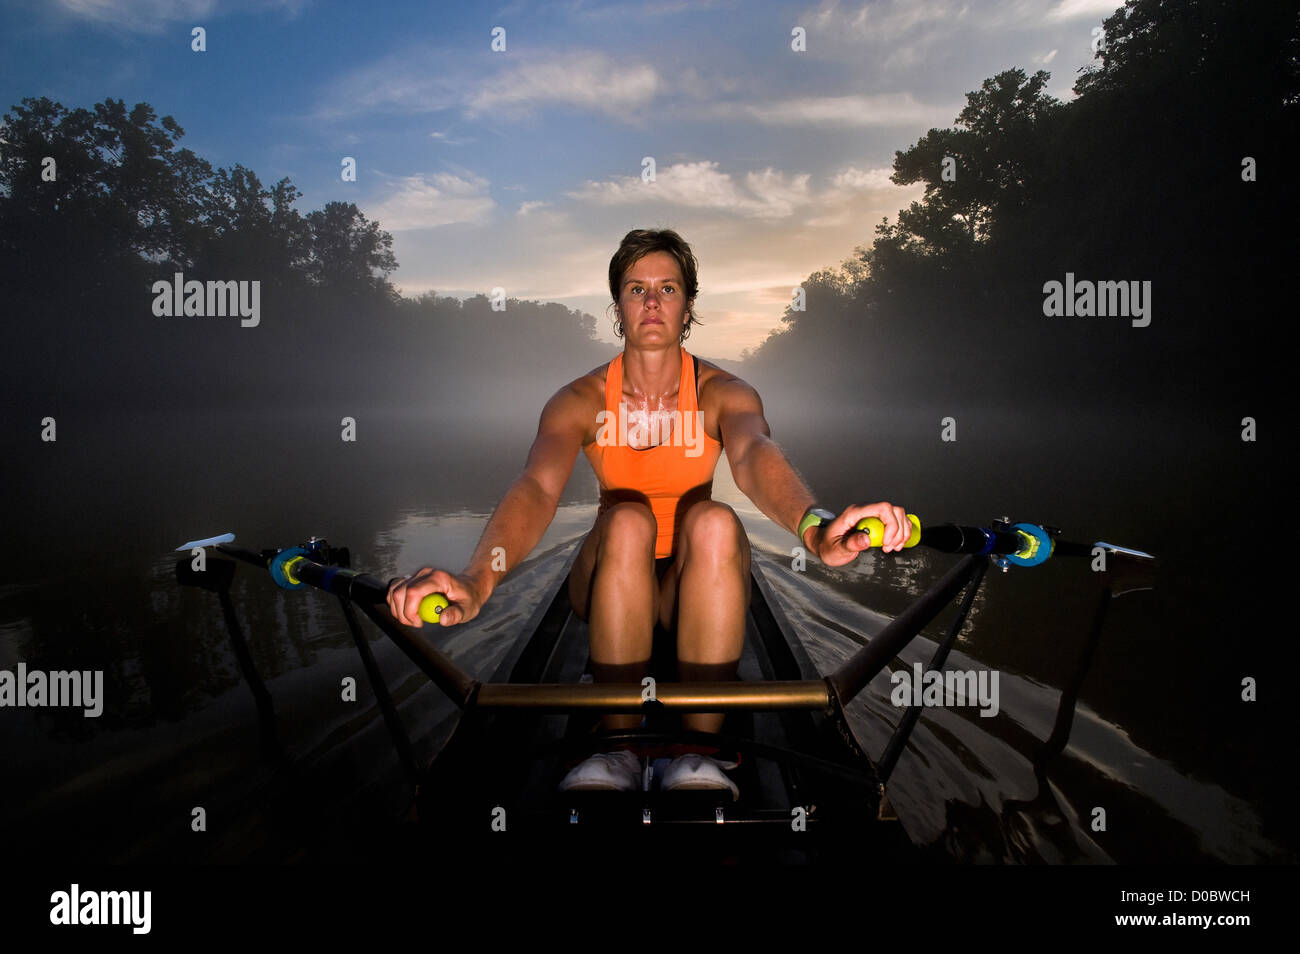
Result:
<point x="671" y="475"/>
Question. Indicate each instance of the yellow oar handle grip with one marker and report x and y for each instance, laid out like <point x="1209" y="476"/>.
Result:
<point x="875" y="530"/>
<point x="431" y="607"/>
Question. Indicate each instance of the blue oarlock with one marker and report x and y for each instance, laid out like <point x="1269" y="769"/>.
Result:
<point x="277" y="568"/>
<point x="1038" y="551"/>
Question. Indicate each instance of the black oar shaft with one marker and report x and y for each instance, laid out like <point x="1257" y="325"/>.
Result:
<point x="372" y="596"/>
<point x="397" y="732"/>
<point x="898" y="741"/>
<point x="951" y="538"/>
<point x="459" y="686"/>
<point x="858" y="670"/>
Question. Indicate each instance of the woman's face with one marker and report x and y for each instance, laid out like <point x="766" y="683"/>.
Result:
<point x="651" y="301"/>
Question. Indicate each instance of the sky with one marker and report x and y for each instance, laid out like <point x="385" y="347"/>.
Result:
<point x="522" y="167"/>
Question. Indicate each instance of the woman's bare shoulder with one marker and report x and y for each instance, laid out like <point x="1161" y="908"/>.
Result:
<point x="715" y="381"/>
<point x="587" y="383"/>
<point x="593" y="382"/>
<point x="711" y="372"/>
<point x="582" y="396"/>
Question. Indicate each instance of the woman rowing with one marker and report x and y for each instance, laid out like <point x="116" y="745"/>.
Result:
<point x="652" y="423"/>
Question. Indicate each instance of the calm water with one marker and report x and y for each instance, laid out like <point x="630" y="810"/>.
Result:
<point x="1162" y="741"/>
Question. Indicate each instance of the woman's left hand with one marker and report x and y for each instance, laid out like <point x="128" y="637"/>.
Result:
<point x="837" y="543"/>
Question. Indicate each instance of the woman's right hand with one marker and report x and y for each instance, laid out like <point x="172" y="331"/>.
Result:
<point x="404" y="596"/>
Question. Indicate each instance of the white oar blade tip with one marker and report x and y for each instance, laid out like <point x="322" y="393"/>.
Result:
<point x="1124" y="551"/>
<point x="210" y="541"/>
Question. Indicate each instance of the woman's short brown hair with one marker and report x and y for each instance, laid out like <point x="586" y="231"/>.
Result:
<point x="641" y="242"/>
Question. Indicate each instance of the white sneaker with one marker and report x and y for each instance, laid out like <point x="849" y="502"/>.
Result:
<point x="694" y="771"/>
<point x="605" y="772"/>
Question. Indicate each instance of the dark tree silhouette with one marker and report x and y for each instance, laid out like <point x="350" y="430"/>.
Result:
<point x="125" y="207"/>
<point x="347" y="250"/>
<point x="1143" y="177"/>
<point x="125" y="202"/>
<point x="248" y="225"/>
<point x="997" y="153"/>
<point x="119" y="193"/>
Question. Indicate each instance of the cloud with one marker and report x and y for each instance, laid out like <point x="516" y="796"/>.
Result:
<point x="862" y="180"/>
<point x="852" y="111"/>
<point x="884" y="24"/>
<point x="590" y="81"/>
<point x="428" y="201"/>
<point x="1077" y="9"/>
<point x="854" y="194"/>
<point x="768" y="194"/>
<point x="155" y="16"/>
<point x="700" y="185"/>
<point x="140" y="16"/>
<point x="403" y="83"/>
<point x="623" y="12"/>
<point x="449" y="139"/>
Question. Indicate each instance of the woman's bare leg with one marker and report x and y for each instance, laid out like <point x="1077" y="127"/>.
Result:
<point x="707" y="591"/>
<point x="612" y="586"/>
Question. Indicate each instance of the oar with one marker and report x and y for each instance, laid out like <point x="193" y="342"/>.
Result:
<point x="288" y="565"/>
<point x="207" y="542"/>
<point x="215" y="577"/>
<point x="313" y="564"/>
<point x="1126" y="570"/>
<point x="1021" y="544"/>
<point x="217" y="574"/>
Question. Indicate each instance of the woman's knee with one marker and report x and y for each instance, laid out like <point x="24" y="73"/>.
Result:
<point x="713" y="526"/>
<point x="627" y="527"/>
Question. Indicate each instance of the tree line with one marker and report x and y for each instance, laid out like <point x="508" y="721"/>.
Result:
<point x="96" y="205"/>
<point x="1172" y="165"/>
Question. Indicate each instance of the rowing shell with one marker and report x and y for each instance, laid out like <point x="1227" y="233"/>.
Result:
<point x="807" y="791"/>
